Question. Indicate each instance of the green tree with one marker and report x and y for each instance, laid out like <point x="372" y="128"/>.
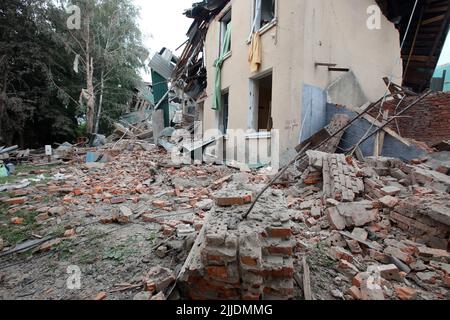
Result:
<point x="32" y="109"/>
<point x="109" y="47"/>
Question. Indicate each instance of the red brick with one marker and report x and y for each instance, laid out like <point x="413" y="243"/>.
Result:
<point x="17" y="220"/>
<point x="446" y="280"/>
<point x="285" y="272"/>
<point x="251" y="297"/>
<point x="358" y="279"/>
<point x="339" y="253"/>
<point x="19" y="193"/>
<point x="42" y="217"/>
<point x="16" y="201"/>
<point x="160" y="204"/>
<point x="405" y="293"/>
<point x="217" y="272"/>
<point x="354" y="292"/>
<point x="147" y="217"/>
<point x="275" y="232"/>
<point x="429" y="253"/>
<point x="100" y="296"/>
<point x="233" y="200"/>
<point x="287" y="251"/>
<point x="168" y="231"/>
<point x="69" y="233"/>
<point x="313" y="178"/>
<point x="249" y="261"/>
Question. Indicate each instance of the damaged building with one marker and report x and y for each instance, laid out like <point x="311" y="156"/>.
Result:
<point x="357" y="208"/>
<point x="287" y="65"/>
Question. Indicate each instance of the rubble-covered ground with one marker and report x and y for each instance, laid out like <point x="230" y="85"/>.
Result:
<point x="114" y="220"/>
<point x="372" y="230"/>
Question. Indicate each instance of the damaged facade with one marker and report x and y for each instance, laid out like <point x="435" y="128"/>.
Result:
<point x="304" y="45"/>
<point x="271" y="64"/>
<point x="361" y="211"/>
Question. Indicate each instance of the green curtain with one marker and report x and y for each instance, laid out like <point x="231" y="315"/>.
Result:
<point x="217" y="103"/>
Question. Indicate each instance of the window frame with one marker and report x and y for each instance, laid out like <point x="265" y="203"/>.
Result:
<point x="226" y="19"/>
<point x="267" y="26"/>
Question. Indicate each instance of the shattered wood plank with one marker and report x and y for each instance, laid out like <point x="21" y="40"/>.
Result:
<point x="25" y="246"/>
<point x="307" y="281"/>
<point x="222" y="180"/>
<point x="298" y="279"/>
<point x="9" y="149"/>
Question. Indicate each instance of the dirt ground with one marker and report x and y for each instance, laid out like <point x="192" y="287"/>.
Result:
<point x="112" y="221"/>
<point x="73" y="204"/>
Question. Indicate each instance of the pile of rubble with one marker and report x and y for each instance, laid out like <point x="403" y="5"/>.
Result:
<point x="152" y="229"/>
<point x="133" y="205"/>
<point x="370" y="230"/>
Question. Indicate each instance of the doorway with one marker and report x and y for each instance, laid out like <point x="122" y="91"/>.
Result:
<point x="261" y="103"/>
<point x="222" y="118"/>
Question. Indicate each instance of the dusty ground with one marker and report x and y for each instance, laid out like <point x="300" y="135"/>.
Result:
<point x="74" y="203"/>
<point x="116" y="220"/>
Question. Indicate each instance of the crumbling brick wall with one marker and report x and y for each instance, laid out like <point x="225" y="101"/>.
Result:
<point x="428" y="121"/>
<point x="234" y="259"/>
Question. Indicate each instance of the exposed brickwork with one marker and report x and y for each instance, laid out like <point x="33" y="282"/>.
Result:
<point x="340" y="180"/>
<point x="428" y="121"/>
<point x="248" y="260"/>
<point x="425" y="218"/>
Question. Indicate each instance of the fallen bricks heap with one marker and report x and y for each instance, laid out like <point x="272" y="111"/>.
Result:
<point x="249" y="260"/>
<point x="335" y="193"/>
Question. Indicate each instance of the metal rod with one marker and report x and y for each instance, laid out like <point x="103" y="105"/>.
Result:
<point x="393" y="118"/>
<point x="299" y="155"/>
<point x="302" y="154"/>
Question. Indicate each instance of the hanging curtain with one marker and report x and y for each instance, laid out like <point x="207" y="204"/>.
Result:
<point x="217" y="103"/>
<point x="256" y="20"/>
<point x="255" y="54"/>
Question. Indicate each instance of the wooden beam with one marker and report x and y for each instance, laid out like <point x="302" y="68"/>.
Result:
<point x="307" y="281"/>
<point x="433" y="20"/>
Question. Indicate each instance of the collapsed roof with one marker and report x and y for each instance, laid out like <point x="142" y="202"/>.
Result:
<point x="425" y="38"/>
<point x="190" y="70"/>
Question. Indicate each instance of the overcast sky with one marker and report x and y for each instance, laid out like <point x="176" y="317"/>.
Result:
<point x="445" y="56"/>
<point x="164" y="25"/>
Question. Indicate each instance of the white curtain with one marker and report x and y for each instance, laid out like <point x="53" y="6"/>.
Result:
<point x="256" y="19"/>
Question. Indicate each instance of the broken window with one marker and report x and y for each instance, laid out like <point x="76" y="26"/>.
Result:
<point x="223" y="113"/>
<point x="225" y="33"/>
<point x="264" y="13"/>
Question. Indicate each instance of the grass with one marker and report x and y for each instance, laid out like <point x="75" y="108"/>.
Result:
<point x="14" y="234"/>
<point x="88" y="256"/>
<point x="64" y="251"/>
<point x="152" y="238"/>
<point x="92" y="252"/>
<point x="121" y="251"/>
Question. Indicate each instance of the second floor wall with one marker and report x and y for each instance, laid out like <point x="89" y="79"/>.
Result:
<point x="302" y="33"/>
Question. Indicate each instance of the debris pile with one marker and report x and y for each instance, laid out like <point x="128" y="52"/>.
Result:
<point x="389" y="241"/>
<point x="248" y="260"/>
<point x="344" y="229"/>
